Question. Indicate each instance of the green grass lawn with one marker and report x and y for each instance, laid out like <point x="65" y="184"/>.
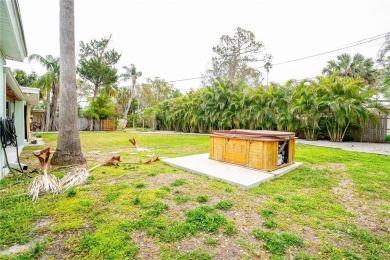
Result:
<point x="335" y="206"/>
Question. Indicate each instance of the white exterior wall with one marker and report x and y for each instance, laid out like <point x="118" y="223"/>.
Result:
<point x="19" y="121"/>
<point x="2" y="110"/>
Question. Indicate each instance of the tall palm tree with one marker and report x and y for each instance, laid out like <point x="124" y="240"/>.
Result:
<point x="68" y="150"/>
<point x="133" y="74"/>
<point x="354" y="67"/>
<point x="49" y="82"/>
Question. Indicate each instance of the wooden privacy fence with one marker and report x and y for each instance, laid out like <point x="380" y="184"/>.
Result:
<point x="103" y="125"/>
<point x="375" y="131"/>
<point x="107" y="125"/>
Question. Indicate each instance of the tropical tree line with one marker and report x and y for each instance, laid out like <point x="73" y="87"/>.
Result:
<point x="331" y="104"/>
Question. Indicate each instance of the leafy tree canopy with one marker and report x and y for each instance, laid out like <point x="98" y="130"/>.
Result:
<point x="237" y="59"/>
<point x="101" y="108"/>
<point x="156" y="90"/>
<point x="354" y="67"/>
<point x="97" y="62"/>
<point x="24" y="79"/>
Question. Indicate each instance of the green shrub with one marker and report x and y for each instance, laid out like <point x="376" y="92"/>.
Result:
<point x="158" y="208"/>
<point x="202" y="199"/>
<point x="140" y="185"/>
<point x="178" y="182"/>
<point x="166" y="188"/>
<point x="267" y="213"/>
<point x="181" y="199"/>
<point x="152" y="173"/>
<point x="388" y="137"/>
<point x="90" y="179"/>
<point x="270" y="224"/>
<point x="224" y="205"/>
<point x="111" y="196"/>
<point x="136" y="200"/>
<point x="72" y="192"/>
<point x="194" y="255"/>
<point x="205" y="222"/>
<point x="277" y="243"/>
<point x="230" y="229"/>
<point x="280" y="199"/>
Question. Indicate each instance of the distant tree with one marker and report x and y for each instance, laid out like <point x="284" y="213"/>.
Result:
<point x="84" y="91"/>
<point x="384" y="61"/>
<point x="237" y="59"/>
<point x="101" y="108"/>
<point x="97" y="65"/>
<point x="131" y="74"/>
<point x="354" y="67"/>
<point x="156" y="90"/>
<point x="49" y="82"/>
<point x="24" y="79"/>
<point x="68" y="150"/>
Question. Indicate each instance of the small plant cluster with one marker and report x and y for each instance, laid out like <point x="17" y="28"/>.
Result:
<point x="224" y="205"/>
<point x="201" y="219"/>
<point x="277" y="243"/>
<point x="178" y="182"/>
<point x="269" y="223"/>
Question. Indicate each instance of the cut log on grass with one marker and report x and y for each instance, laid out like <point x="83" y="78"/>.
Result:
<point x="46" y="183"/>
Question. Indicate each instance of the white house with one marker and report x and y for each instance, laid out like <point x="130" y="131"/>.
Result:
<point x="13" y="98"/>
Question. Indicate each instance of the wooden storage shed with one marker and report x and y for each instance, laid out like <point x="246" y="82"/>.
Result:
<point x="263" y="150"/>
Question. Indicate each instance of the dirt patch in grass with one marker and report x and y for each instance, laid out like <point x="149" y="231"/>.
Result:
<point x="43" y="224"/>
<point x="312" y="243"/>
<point x="344" y="192"/>
<point x="148" y="249"/>
<point x="365" y="214"/>
<point x="226" y="248"/>
<point x="338" y="167"/>
<point x="57" y="248"/>
<point x="165" y="179"/>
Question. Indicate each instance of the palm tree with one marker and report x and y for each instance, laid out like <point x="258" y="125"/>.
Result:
<point x="354" y="67"/>
<point x="133" y="74"/>
<point x="345" y="101"/>
<point x="49" y="82"/>
<point x="68" y="150"/>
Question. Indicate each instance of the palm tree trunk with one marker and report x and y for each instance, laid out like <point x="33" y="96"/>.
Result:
<point x="47" y="112"/>
<point x="131" y="96"/>
<point x="53" y="108"/>
<point x="68" y="150"/>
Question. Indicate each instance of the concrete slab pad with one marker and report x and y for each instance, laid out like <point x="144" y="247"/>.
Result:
<point x="245" y="177"/>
